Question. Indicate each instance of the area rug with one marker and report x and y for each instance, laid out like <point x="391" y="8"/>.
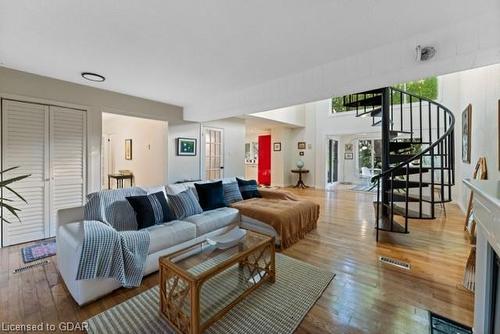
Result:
<point x="442" y="325"/>
<point x="272" y="308"/>
<point x="39" y="251"/>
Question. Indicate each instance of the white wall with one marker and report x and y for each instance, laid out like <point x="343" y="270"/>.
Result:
<point x="481" y="88"/>
<point x="21" y="85"/>
<point x="189" y="168"/>
<point x="149" y="147"/>
<point x="280" y="160"/>
<point x="294" y="115"/>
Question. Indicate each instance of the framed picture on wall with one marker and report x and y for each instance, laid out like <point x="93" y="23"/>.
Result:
<point x="277" y="147"/>
<point x="128" y="149"/>
<point x="186" y="146"/>
<point x="301" y="145"/>
<point x="348" y="156"/>
<point x="466" y="133"/>
<point x="348" y="148"/>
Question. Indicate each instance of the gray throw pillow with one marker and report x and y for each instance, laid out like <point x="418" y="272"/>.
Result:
<point x="232" y="193"/>
<point x="184" y="204"/>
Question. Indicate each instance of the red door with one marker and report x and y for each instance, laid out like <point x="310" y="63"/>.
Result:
<point x="264" y="166"/>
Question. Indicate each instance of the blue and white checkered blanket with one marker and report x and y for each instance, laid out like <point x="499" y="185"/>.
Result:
<point x="110" y="253"/>
<point x="113" y="247"/>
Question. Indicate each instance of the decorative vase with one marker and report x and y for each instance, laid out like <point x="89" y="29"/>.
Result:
<point x="300" y="164"/>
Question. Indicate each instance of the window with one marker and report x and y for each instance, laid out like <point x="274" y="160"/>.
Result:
<point x="338" y="105"/>
<point x="369" y="156"/>
<point x="427" y="88"/>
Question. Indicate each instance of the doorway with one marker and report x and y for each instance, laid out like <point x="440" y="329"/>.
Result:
<point x="332" y="173"/>
<point x="213" y="163"/>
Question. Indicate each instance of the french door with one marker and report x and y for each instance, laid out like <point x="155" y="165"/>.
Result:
<point x="48" y="143"/>
<point x="332" y="168"/>
<point x="213" y="164"/>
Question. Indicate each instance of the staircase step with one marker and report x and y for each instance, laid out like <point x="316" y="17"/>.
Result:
<point x="397" y="158"/>
<point x="373" y="91"/>
<point x="384" y="223"/>
<point x="395" y="133"/>
<point x="401" y="184"/>
<point x="411" y="171"/>
<point x="368" y="102"/>
<point x="376" y="112"/>
<point x="411" y="213"/>
<point x="401" y="197"/>
<point x="400" y="145"/>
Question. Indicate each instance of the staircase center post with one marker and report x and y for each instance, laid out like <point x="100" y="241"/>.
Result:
<point x="386" y="138"/>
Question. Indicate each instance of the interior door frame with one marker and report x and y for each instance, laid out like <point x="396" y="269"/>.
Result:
<point x="203" y="151"/>
<point x="48" y="102"/>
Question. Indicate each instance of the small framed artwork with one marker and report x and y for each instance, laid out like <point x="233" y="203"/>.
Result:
<point x="348" y="156"/>
<point x="128" y="149"/>
<point x="301" y="145"/>
<point x="277" y="147"/>
<point x="348" y="148"/>
<point x="301" y="153"/>
<point x="466" y="133"/>
<point x="186" y="146"/>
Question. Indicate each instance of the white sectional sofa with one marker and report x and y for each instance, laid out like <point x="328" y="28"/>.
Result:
<point x="165" y="239"/>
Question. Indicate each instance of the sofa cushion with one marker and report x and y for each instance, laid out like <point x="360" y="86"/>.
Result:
<point x="150" y="209"/>
<point x="184" y="204"/>
<point x="209" y="221"/>
<point x="232" y="193"/>
<point x="111" y="206"/>
<point x="210" y="195"/>
<point x="248" y="188"/>
<point x="170" y="234"/>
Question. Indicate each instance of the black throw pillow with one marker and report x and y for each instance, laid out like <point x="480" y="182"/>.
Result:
<point x="150" y="209"/>
<point x="248" y="188"/>
<point x="210" y="195"/>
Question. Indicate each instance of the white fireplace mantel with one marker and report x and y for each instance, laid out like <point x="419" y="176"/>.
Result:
<point x="487" y="215"/>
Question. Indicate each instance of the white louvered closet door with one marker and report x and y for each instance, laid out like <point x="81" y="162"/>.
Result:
<point x="67" y="160"/>
<point x="24" y="143"/>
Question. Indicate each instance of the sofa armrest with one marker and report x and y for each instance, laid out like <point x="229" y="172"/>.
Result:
<point x="70" y="215"/>
<point x="277" y="194"/>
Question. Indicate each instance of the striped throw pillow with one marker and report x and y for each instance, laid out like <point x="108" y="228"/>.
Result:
<point x="184" y="204"/>
<point x="231" y="193"/>
<point x="150" y="209"/>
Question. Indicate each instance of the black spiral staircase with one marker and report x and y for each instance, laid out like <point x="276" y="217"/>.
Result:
<point x="417" y="155"/>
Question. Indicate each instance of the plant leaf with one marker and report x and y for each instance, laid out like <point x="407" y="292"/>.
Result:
<point x="11" y="210"/>
<point x="3" y="183"/>
<point x="16" y="193"/>
<point x="8" y="169"/>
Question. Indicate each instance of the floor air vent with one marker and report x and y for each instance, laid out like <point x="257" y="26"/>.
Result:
<point x="31" y="266"/>
<point x="395" y="262"/>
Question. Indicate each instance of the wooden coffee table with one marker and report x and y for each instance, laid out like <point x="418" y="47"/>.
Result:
<point x="190" y="298"/>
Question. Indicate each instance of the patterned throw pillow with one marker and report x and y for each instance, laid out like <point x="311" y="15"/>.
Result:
<point x="231" y="193"/>
<point x="184" y="204"/>
<point x="210" y="195"/>
<point x="248" y="188"/>
<point x="150" y="209"/>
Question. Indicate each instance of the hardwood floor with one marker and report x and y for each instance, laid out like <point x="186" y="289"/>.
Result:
<point x="365" y="296"/>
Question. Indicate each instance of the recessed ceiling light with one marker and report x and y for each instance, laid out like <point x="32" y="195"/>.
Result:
<point x="93" y="77"/>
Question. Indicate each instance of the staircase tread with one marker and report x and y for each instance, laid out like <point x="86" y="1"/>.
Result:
<point x="411" y="213"/>
<point x="369" y="101"/>
<point x="412" y="197"/>
<point x="401" y="184"/>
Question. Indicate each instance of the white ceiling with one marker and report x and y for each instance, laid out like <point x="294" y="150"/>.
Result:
<point x="214" y="57"/>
